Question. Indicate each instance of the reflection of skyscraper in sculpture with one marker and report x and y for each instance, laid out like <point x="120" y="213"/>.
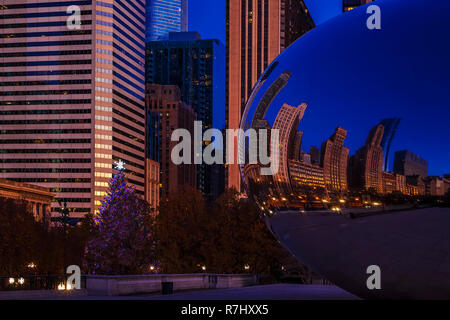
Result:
<point x="270" y="95"/>
<point x="333" y="159"/>
<point x="390" y="127"/>
<point x="305" y="175"/>
<point x="315" y="154"/>
<point x="286" y="122"/>
<point x="297" y="152"/>
<point x="367" y="164"/>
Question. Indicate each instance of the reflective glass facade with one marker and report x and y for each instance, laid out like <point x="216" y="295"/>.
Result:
<point x="164" y="16"/>
<point x="197" y="67"/>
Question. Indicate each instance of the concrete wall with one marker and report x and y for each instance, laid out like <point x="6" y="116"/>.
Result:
<point x="127" y="285"/>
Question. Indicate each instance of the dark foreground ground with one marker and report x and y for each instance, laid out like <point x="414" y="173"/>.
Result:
<point x="263" y="292"/>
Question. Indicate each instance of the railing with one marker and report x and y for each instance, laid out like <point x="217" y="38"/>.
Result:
<point x="35" y="282"/>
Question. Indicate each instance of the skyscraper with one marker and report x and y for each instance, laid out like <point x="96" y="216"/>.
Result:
<point x="197" y="67"/>
<point x="390" y="128"/>
<point x="287" y="121"/>
<point x="72" y="99"/>
<point x="256" y="32"/>
<point x="366" y="166"/>
<point x="333" y="159"/>
<point x="410" y="164"/>
<point x="174" y="114"/>
<point x="152" y="158"/>
<point x="164" y="16"/>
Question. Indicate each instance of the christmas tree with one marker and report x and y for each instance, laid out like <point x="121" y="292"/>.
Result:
<point x="121" y="240"/>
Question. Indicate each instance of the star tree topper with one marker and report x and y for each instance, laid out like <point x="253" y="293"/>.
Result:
<point x="120" y="165"/>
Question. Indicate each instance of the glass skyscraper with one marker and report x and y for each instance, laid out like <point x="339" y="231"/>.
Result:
<point x="197" y="67"/>
<point x="164" y="16"/>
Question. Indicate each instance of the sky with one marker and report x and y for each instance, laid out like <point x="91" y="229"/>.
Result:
<point x="357" y="77"/>
<point x="208" y="17"/>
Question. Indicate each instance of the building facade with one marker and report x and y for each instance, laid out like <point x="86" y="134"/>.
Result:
<point x="72" y="97"/>
<point x="435" y="186"/>
<point x="410" y="164"/>
<point x="287" y="121"/>
<point x="164" y="16"/>
<point x="257" y="31"/>
<point x="38" y="198"/>
<point x="390" y="128"/>
<point x="174" y="114"/>
<point x="152" y="158"/>
<point x="366" y="166"/>
<point x="305" y="175"/>
<point x="197" y="67"/>
<point x="333" y="160"/>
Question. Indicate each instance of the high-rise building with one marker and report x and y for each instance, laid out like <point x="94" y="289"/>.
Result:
<point x="72" y="97"/>
<point x="366" y="166"/>
<point x="348" y="5"/>
<point x="257" y="31"/>
<point x="333" y="160"/>
<point x="152" y="158"/>
<point x="197" y="67"/>
<point x="314" y="152"/>
<point x="164" y="16"/>
<point x="435" y="186"/>
<point x="287" y="121"/>
<point x="297" y="152"/>
<point x="390" y="128"/>
<point x="165" y="100"/>
<point x="410" y="164"/>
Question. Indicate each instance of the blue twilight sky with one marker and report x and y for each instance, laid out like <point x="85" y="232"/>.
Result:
<point x="208" y="17"/>
<point x="353" y="77"/>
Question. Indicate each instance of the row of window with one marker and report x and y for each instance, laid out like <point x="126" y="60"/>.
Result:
<point x="45" y="43"/>
<point x="44" y="141"/>
<point x="44" y="92"/>
<point x="45" y="121"/>
<point x="43" y="73"/>
<point x="44" y="34"/>
<point x="45" y="53"/>
<point x="44" y="63"/>
<point x="46" y="131"/>
<point x="71" y="150"/>
<point x="58" y="160"/>
<point x="47" y="170"/>
<point x="46" y="102"/>
<point x="46" y="4"/>
<point x="44" y="82"/>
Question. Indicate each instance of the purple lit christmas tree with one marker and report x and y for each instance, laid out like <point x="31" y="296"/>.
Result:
<point x="122" y="239"/>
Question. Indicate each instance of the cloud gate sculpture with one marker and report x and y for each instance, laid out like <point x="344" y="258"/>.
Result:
<point x="362" y="183"/>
